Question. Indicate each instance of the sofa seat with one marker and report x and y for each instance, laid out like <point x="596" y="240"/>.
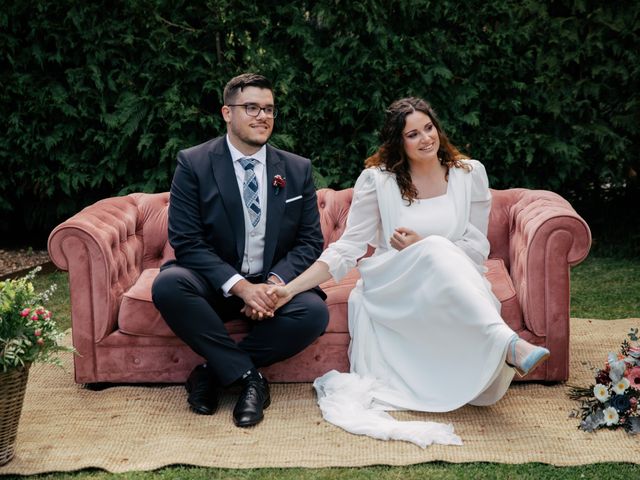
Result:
<point x="138" y="316"/>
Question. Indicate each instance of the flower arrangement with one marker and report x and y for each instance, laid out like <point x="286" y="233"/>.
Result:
<point x="28" y="332"/>
<point x="278" y="183"/>
<point x="612" y="401"/>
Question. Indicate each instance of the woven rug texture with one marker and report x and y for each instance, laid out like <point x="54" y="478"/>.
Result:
<point x="65" y="427"/>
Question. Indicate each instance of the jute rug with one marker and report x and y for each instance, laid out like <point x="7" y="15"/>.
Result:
<point x="65" y="427"/>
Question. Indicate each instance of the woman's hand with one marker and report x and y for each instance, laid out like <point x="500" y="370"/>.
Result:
<point x="403" y="237"/>
<point x="280" y="294"/>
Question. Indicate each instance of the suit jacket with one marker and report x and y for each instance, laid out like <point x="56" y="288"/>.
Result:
<point x="206" y="218"/>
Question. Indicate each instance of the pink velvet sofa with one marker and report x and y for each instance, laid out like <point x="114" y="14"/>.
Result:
<point x="113" y="250"/>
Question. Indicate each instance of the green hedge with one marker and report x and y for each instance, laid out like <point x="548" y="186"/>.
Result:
<point x="98" y="97"/>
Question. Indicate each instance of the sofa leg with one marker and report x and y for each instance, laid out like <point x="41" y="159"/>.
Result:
<point x="97" y="386"/>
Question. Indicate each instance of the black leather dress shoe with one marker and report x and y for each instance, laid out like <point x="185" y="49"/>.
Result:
<point x="203" y="392"/>
<point x="254" y="398"/>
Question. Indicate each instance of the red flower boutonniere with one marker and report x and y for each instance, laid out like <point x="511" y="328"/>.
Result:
<point x="278" y="183"/>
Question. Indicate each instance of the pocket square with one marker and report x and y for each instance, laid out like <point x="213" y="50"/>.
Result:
<point x="289" y="200"/>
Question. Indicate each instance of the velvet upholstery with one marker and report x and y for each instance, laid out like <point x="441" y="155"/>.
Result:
<point x="114" y="248"/>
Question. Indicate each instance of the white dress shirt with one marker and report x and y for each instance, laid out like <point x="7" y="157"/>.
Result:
<point x="252" y="260"/>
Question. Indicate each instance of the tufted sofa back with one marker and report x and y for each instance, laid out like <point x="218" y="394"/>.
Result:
<point x="152" y="228"/>
<point x="334" y="207"/>
<point x="152" y="221"/>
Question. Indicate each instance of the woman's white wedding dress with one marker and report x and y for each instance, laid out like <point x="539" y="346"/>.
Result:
<point x="426" y="331"/>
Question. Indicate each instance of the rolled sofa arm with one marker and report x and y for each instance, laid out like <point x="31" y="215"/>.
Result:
<point x="100" y="249"/>
<point x="547" y="237"/>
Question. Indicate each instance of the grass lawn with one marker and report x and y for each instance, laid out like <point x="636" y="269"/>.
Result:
<point x="601" y="287"/>
<point x="606" y="288"/>
<point x="425" y="471"/>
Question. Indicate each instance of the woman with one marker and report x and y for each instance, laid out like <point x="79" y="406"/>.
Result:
<point x="425" y="326"/>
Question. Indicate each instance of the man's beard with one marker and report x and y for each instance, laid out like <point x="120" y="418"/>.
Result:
<point x="250" y="141"/>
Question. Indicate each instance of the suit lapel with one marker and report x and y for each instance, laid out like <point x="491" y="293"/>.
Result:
<point x="275" y="205"/>
<point x="225" y="178"/>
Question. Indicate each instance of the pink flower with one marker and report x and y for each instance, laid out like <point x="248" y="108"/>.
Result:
<point x="25" y="312"/>
<point x="38" y="333"/>
<point x="34" y="317"/>
<point x="634" y="378"/>
<point x="40" y="310"/>
<point x="603" y="377"/>
<point x="40" y="341"/>
<point x="47" y="314"/>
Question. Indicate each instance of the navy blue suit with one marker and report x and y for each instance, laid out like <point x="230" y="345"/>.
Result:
<point x="207" y="232"/>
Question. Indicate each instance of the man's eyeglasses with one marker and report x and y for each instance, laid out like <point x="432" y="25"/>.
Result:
<point x="254" y="110"/>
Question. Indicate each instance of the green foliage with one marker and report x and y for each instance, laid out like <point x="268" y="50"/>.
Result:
<point x="97" y="97"/>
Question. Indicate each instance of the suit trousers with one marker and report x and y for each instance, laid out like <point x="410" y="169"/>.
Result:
<point x="196" y="312"/>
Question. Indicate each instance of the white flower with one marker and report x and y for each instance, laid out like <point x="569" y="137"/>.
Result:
<point x="601" y="392"/>
<point x="611" y="416"/>
<point x="621" y="386"/>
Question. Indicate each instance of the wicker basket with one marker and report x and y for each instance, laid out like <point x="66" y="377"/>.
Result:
<point x="13" y="384"/>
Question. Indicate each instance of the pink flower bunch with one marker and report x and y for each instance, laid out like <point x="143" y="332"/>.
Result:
<point x="35" y="315"/>
<point x="28" y="332"/>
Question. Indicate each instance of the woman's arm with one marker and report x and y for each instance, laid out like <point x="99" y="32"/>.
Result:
<point x="474" y="241"/>
<point x="341" y="256"/>
<point x="362" y="224"/>
<point x="310" y="278"/>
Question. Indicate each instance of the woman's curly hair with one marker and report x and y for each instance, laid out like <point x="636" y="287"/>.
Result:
<point x="391" y="155"/>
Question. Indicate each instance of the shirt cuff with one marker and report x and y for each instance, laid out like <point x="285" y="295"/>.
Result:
<point x="228" y="285"/>
<point x="334" y="260"/>
<point x="278" y="277"/>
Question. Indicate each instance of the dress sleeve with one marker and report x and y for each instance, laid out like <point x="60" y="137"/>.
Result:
<point x="474" y="241"/>
<point x="362" y="226"/>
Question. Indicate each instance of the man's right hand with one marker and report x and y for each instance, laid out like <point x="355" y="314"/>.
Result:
<point x="255" y="296"/>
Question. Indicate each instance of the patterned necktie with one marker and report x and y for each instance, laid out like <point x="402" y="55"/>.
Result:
<point x="250" y="190"/>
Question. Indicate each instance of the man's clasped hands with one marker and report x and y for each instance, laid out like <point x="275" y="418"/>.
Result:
<point x="261" y="300"/>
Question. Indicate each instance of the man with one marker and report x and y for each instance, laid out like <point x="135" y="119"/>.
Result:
<point x="242" y="215"/>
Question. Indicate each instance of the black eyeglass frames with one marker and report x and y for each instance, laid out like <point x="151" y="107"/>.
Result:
<point x="254" y="110"/>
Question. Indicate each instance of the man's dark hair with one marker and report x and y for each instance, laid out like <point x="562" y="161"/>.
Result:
<point x="239" y="83"/>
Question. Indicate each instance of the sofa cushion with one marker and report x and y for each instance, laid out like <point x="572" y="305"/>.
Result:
<point x="337" y="301"/>
<point x="138" y="316"/>
<point x="503" y="289"/>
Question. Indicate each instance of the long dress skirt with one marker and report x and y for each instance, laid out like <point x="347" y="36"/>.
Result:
<point x="426" y="335"/>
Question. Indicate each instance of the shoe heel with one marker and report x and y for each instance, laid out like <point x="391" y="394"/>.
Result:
<point x="512" y="347"/>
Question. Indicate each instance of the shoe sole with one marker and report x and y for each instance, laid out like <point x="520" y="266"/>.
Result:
<point x="199" y="410"/>
<point x="522" y="373"/>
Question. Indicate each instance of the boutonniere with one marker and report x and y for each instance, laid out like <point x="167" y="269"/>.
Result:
<point x="278" y="183"/>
